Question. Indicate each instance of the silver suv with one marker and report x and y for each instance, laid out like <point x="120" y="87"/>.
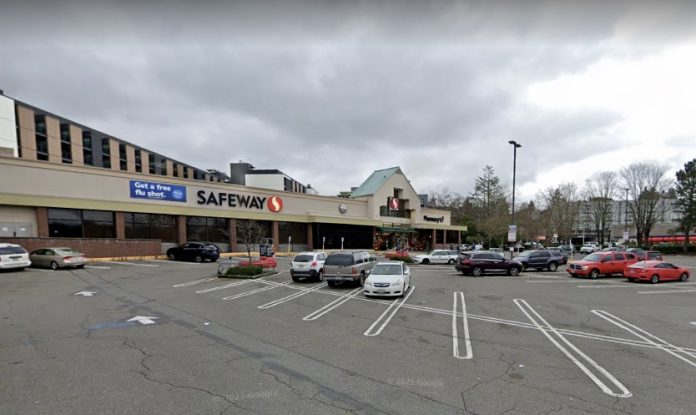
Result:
<point x="308" y="265"/>
<point x="348" y="266"/>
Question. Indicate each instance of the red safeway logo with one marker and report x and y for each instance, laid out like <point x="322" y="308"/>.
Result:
<point x="275" y="204"/>
<point x="394" y="203"/>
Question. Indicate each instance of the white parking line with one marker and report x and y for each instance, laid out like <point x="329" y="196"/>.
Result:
<point x="96" y="267"/>
<point x="694" y="323"/>
<point x="549" y="282"/>
<point x="455" y="338"/>
<point x="256" y="291"/>
<point x="173" y="262"/>
<point x="132" y="264"/>
<point x="393" y="307"/>
<point x="607" y="286"/>
<point x="290" y="297"/>
<point x="527" y="309"/>
<point x="190" y="283"/>
<point x="667" y="292"/>
<point x="222" y="287"/>
<point x="332" y="305"/>
<point x="648" y="337"/>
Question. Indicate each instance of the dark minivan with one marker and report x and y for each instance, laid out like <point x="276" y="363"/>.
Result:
<point x="194" y="251"/>
<point x="480" y="263"/>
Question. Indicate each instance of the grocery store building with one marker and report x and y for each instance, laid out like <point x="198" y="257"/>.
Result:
<point x="62" y="183"/>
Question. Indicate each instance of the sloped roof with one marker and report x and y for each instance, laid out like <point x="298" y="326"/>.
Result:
<point x="375" y="181"/>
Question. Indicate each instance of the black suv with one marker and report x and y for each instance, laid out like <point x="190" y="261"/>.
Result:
<point x="196" y="251"/>
<point x="542" y="259"/>
<point x="480" y="263"/>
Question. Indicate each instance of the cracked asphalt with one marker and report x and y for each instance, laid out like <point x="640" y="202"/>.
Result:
<point x="67" y="354"/>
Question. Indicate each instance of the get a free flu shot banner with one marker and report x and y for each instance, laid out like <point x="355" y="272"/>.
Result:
<point x="157" y="191"/>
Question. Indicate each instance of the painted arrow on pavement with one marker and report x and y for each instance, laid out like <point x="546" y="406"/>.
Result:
<point x="143" y="319"/>
<point x="86" y="293"/>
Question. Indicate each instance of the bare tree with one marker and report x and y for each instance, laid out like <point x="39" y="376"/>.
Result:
<point x="599" y="193"/>
<point x="646" y="184"/>
<point x="249" y="232"/>
<point x="560" y="207"/>
<point x="686" y="199"/>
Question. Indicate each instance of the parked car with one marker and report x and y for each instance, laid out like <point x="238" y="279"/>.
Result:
<point x="196" y="251"/>
<point x="602" y="263"/>
<point x="589" y="248"/>
<point x="561" y="254"/>
<point x="348" y="267"/>
<point x="641" y="254"/>
<point x="438" y="256"/>
<point x="480" y="263"/>
<point x="13" y="256"/>
<point x="653" y="255"/>
<point x="542" y="259"/>
<point x="565" y="249"/>
<point x="308" y="265"/>
<point x="389" y="279"/>
<point x="56" y="258"/>
<point x="656" y="271"/>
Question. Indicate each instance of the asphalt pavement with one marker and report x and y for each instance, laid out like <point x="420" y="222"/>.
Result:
<point x="162" y="337"/>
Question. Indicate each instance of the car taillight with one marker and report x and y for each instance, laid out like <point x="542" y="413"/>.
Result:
<point x="465" y="261"/>
<point x="354" y="271"/>
<point x="314" y="264"/>
<point x="67" y="258"/>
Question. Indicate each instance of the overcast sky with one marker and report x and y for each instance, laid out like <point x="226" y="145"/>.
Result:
<point x="330" y="91"/>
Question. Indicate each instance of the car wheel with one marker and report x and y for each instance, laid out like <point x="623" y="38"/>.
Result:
<point x="295" y="278"/>
<point x="171" y="256"/>
<point x="684" y="277"/>
<point x="594" y="274"/>
<point x="631" y="280"/>
<point x="54" y="265"/>
<point x="451" y="262"/>
<point x="198" y="259"/>
<point x="655" y="279"/>
<point x="320" y="276"/>
<point x="515" y="271"/>
<point x="477" y="272"/>
<point x="553" y="267"/>
<point x="362" y="280"/>
<point x="331" y="283"/>
<point x="80" y="266"/>
<point x="524" y="267"/>
<point x="425" y="261"/>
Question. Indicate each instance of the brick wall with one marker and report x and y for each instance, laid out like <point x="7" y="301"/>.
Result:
<point x="93" y="248"/>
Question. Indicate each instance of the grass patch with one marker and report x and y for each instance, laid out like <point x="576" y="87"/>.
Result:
<point x="251" y="272"/>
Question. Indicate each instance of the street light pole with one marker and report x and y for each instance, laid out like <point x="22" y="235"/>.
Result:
<point x="515" y="146"/>
<point x="626" y="216"/>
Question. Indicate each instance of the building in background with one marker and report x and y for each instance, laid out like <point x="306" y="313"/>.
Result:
<point x="245" y="174"/>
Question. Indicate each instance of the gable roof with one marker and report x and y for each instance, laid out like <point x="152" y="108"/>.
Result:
<point x="375" y="181"/>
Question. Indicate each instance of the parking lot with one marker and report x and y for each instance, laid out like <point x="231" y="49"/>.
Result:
<point x="171" y="338"/>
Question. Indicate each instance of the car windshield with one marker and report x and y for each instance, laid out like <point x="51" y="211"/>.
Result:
<point x="339" y="259"/>
<point x="303" y="258"/>
<point x="593" y="257"/>
<point x="387" y="269"/>
<point x="12" y="250"/>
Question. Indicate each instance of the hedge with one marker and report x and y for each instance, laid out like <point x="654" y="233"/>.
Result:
<point x="406" y="259"/>
<point x="673" y="248"/>
<point x="252" y="270"/>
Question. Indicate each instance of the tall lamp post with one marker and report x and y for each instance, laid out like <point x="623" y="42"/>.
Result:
<point x="626" y="218"/>
<point x="515" y="146"/>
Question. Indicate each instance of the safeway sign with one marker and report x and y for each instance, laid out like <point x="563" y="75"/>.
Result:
<point x="512" y="233"/>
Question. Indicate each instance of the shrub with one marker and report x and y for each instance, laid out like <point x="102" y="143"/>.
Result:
<point x="667" y="248"/>
<point x="253" y="270"/>
<point x="406" y="259"/>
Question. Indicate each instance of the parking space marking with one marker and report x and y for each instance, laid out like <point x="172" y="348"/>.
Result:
<point x="667" y="292"/>
<point x="96" y="267"/>
<point x="222" y="287"/>
<point x="190" y="283"/>
<point x="648" y="337"/>
<point x="694" y="323"/>
<point x="290" y="297"/>
<point x="332" y="305"/>
<point x="547" y="328"/>
<point x="256" y="291"/>
<point x="389" y="313"/>
<point x="173" y="262"/>
<point x="455" y="338"/>
<point x="549" y="282"/>
<point x="132" y="264"/>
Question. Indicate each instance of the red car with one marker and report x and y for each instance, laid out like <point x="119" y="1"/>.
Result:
<point x="655" y="271"/>
<point x="601" y="263"/>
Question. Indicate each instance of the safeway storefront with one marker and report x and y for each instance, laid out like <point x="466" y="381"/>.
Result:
<point x="109" y="213"/>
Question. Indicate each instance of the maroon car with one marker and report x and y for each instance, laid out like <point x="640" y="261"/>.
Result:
<point x="480" y="263"/>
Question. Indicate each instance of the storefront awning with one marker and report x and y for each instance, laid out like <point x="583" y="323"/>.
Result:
<point x="394" y="229"/>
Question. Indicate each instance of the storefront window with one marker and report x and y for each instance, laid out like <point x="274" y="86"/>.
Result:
<point x="439" y="237"/>
<point x="354" y="236"/>
<point x="298" y="232"/>
<point x="207" y="229"/>
<point x="452" y="237"/>
<point x="150" y="226"/>
<point x="75" y="223"/>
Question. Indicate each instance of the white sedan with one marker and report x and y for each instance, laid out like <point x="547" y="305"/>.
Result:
<point x="438" y="256"/>
<point x="389" y="279"/>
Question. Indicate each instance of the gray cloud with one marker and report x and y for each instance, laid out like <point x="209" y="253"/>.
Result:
<point x="328" y="92"/>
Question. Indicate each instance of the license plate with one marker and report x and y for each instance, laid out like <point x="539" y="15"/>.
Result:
<point x="381" y="291"/>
